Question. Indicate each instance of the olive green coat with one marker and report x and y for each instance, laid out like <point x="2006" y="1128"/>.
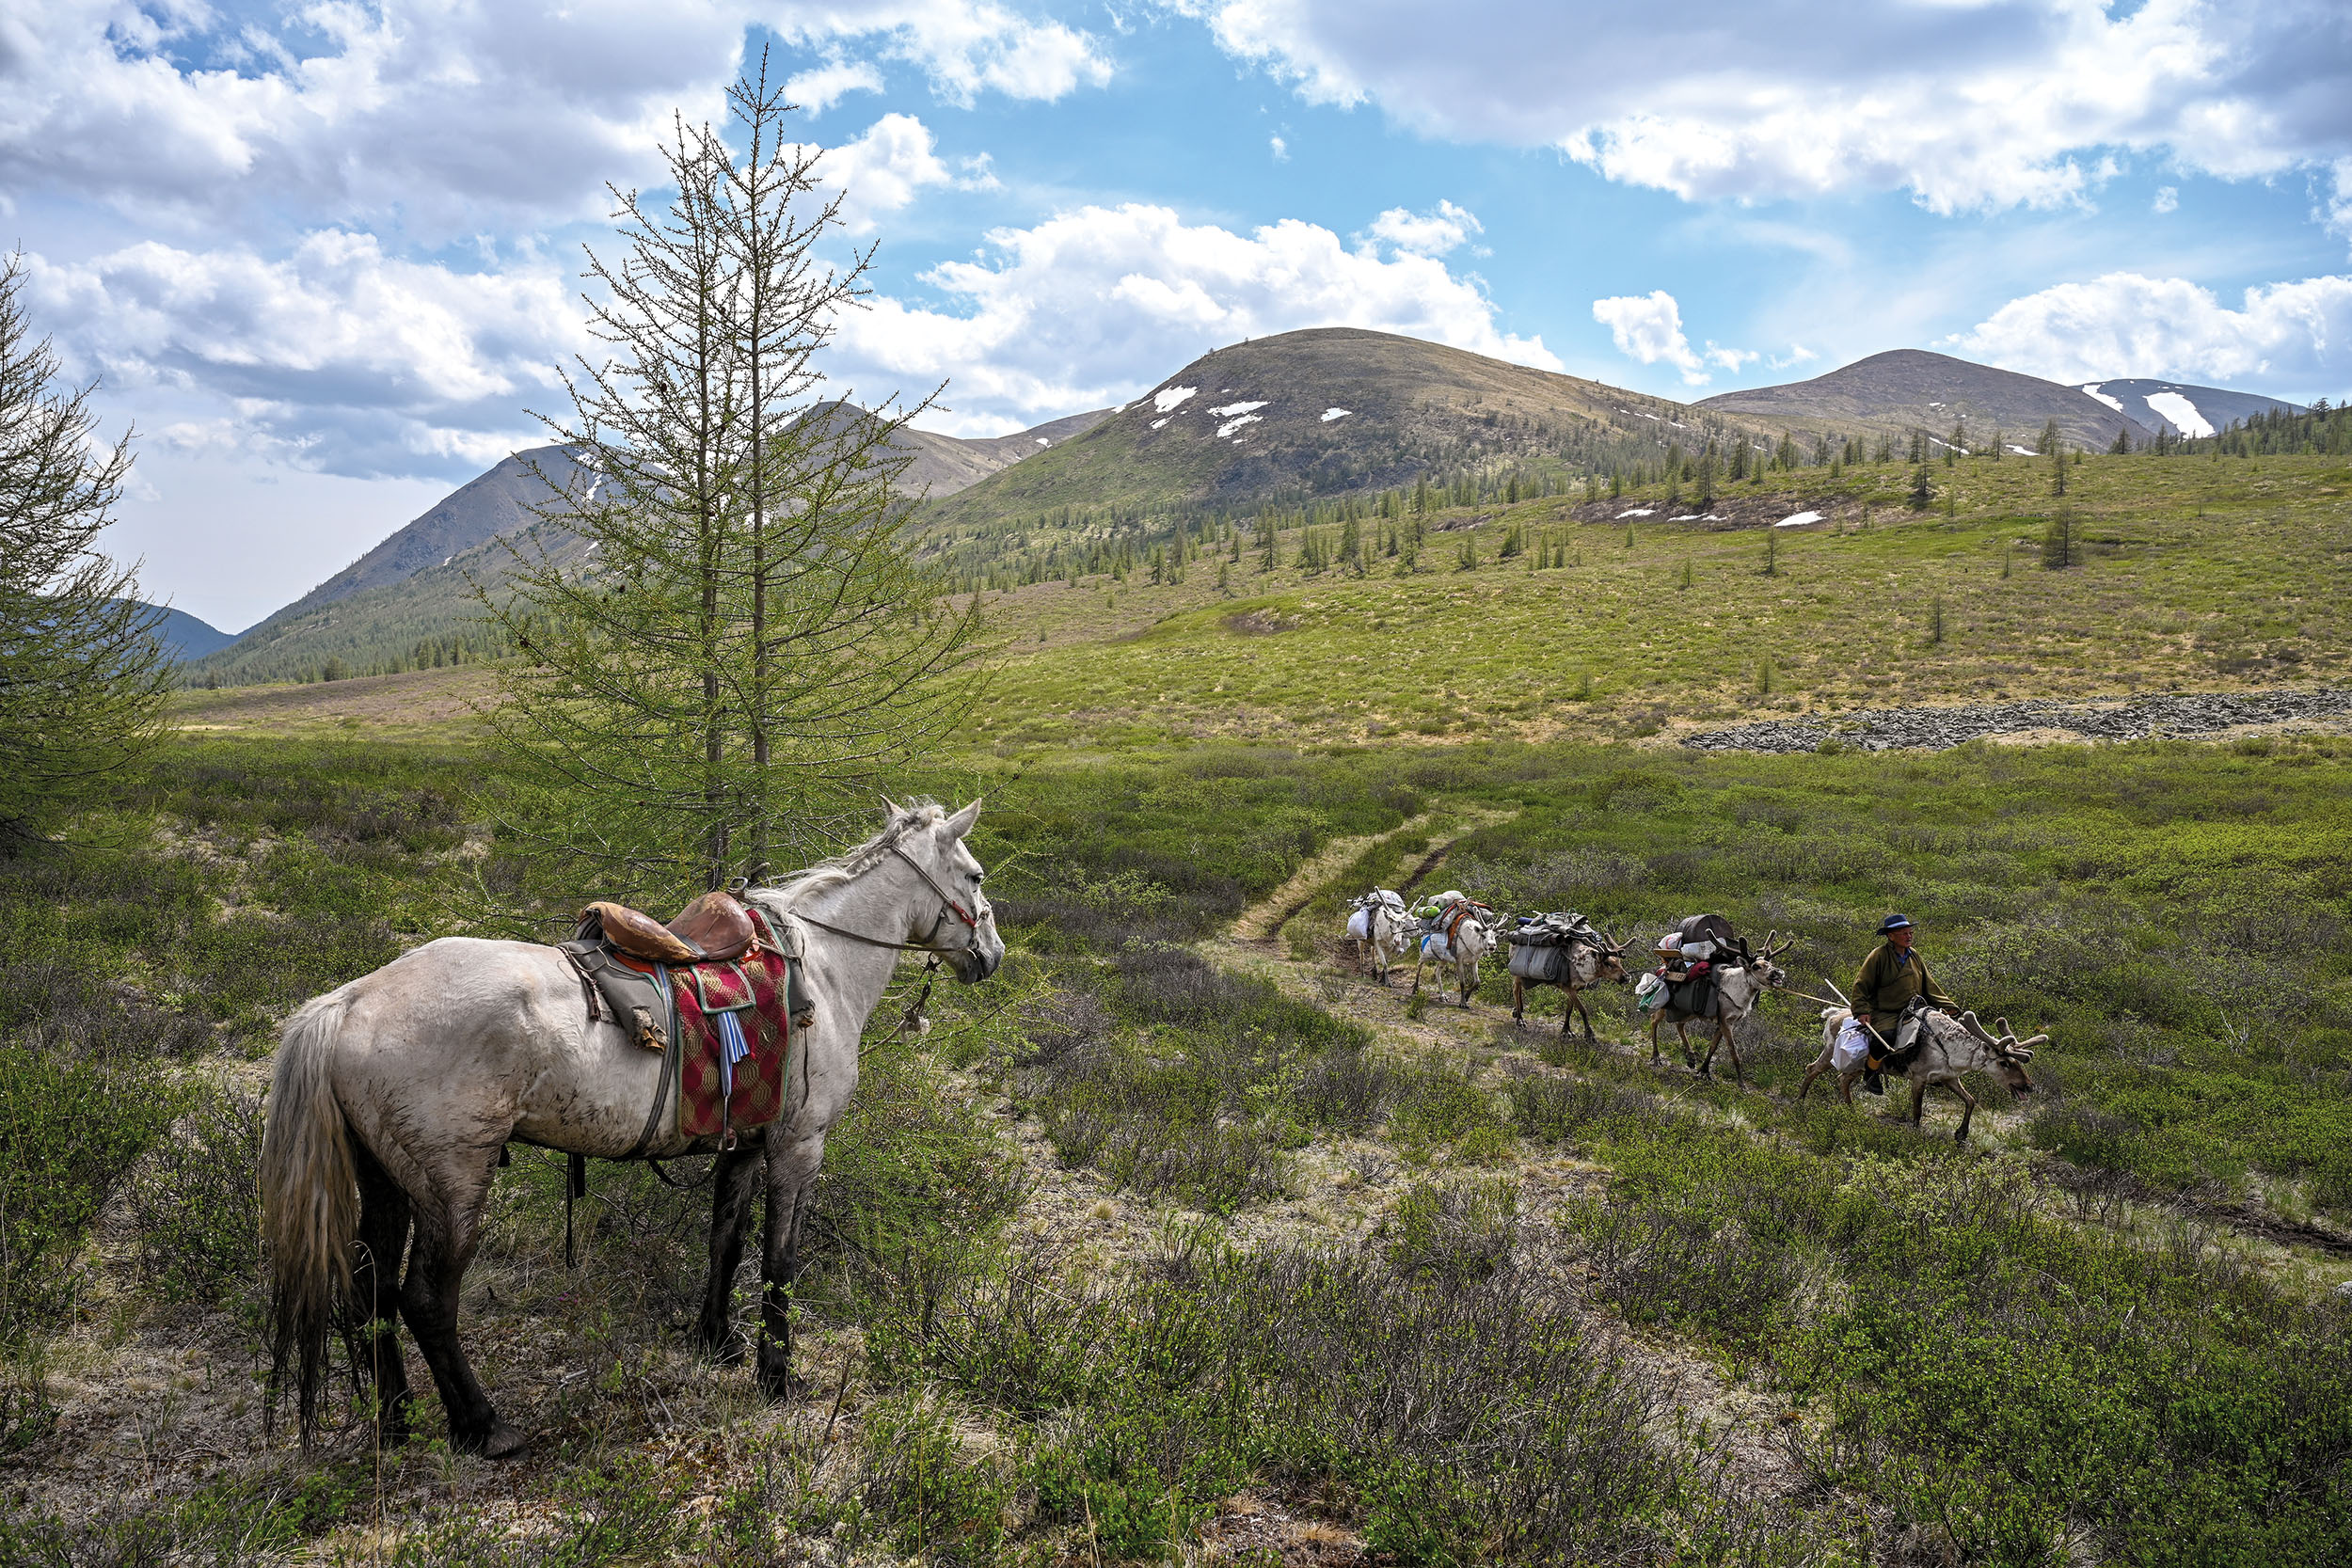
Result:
<point x="1887" y="981"/>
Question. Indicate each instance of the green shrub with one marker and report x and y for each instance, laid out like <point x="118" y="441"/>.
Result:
<point x="71" y="1129"/>
<point x="197" y="1205"/>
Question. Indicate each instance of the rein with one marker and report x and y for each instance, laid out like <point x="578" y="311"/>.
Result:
<point x="946" y="900"/>
<point x="911" y="1021"/>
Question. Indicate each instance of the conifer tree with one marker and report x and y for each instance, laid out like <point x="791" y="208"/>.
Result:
<point x="1922" y="489"/>
<point x="751" y="646"/>
<point x="82" y="676"/>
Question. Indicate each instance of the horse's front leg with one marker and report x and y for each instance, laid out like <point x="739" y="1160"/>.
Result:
<point x="1918" y="1103"/>
<point x="792" y="1163"/>
<point x="733" y="1181"/>
<point x="1727" y="1033"/>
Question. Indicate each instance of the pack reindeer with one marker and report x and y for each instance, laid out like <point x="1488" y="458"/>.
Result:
<point x="1587" y="964"/>
<point x="1741" y="979"/>
<point x="1469" y="934"/>
<point x="1388" y="932"/>
<point x="1948" y="1048"/>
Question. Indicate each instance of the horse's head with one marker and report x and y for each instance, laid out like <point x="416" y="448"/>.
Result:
<point x="951" y="915"/>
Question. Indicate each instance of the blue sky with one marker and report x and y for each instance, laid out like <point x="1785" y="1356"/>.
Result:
<point x="322" y="254"/>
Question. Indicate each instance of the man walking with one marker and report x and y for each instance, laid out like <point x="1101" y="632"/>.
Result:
<point x="1887" y="981"/>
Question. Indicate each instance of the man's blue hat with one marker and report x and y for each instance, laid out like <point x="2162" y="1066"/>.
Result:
<point x="1894" y="923"/>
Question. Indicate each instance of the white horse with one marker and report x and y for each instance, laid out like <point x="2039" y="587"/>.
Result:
<point x="1467" y="938"/>
<point x="400" y="1090"/>
<point x="1948" y="1047"/>
<point x="1741" y="979"/>
<point x="1387" y="931"/>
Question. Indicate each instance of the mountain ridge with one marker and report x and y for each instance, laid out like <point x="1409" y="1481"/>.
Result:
<point x="1907" y="388"/>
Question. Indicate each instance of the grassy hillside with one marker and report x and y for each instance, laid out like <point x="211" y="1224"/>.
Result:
<point x="1628" y="617"/>
<point x="1329" y="412"/>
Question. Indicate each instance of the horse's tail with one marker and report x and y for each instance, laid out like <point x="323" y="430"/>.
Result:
<point x="310" y="1205"/>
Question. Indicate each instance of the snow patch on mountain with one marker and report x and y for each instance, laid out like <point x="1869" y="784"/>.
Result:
<point x="1172" y="398"/>
<point x="2181" y="412"/>
<point x="1233" y="409"/>
<point x="2116" y="404"/>
<point x="1233" y="424"/>
<point x="1330" y="414"/>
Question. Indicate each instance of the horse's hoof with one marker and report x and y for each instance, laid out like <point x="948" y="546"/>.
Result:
<point x="495" y="1441"/>
<point x="784" y="1387"/>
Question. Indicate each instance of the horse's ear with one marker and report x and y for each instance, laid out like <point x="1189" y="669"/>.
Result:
<point x="892" y="811"/>
<point x="961" y="822"/>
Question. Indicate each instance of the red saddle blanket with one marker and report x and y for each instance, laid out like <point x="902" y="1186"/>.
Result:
<point x="713" y="1093"/>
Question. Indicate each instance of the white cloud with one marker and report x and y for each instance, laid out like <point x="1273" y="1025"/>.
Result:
<point x="443" y="116"/>
<point x="2168" y="199"/>
<point x="883" y="170"/>
<point x="820" y="89"/>
<point x="2337" y="211"/>
<point x="336" y="357"/>
<point x="1648" y="328"/>
<point x="2123" y="324"/>
<point x="1078" y="310"/>
<point x="1280" y="148"/>
<point x="1426" y="233"/>
<point x="1966" y="104"/>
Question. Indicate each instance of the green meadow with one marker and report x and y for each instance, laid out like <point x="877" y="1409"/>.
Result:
<point x="1182" y="1241"/>
<point x="2191" y="572"/>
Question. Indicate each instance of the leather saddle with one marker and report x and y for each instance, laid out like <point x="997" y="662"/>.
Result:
<point x="714" y="929"/>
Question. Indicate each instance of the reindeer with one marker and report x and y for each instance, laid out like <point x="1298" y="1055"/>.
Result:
<point x="1388" y="932"/>
<point x="1741" y="979"/>
<point x="1947" y="1046"/>
<point x="1467" y="936"/>
<point x="1589" y="965"/>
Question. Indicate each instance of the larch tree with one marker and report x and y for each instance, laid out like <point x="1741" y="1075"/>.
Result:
<point x="83" y="678"/>
<point x="742" y="644"/>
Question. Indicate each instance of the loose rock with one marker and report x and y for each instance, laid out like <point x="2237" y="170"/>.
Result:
<point x="1936" y="729"/>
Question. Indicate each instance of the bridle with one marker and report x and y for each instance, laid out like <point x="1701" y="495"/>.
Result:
<point x="948" y="910"/>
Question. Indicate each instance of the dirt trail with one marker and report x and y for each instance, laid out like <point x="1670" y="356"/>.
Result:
<point x="1351" y="1184"/>
<point x="1263" y="921"/>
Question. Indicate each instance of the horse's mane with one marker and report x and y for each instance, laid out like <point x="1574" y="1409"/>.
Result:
<point x="921" y="812"/>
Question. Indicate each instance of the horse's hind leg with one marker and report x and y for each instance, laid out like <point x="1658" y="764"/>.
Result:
<point x="383" y="1237"/>
<point x="449" y="1227"/>
<point x="732" y="1184"/>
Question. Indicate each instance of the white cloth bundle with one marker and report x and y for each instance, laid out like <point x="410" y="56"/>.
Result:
<point x="1853" y="1047"/>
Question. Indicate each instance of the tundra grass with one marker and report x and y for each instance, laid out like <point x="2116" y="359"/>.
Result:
<point x="2192" y="573"/>
<point x="2172" y="913"/>
<point x="1996" y="1385"/>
